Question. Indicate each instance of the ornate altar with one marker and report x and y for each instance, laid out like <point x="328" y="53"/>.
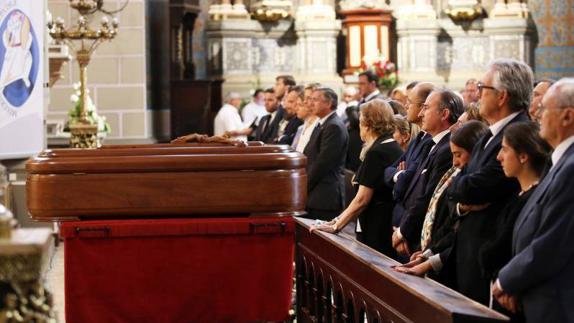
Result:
<point x="368" y="29"/>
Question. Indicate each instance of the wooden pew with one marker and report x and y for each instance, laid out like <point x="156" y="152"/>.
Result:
<point x="342" y="280"/>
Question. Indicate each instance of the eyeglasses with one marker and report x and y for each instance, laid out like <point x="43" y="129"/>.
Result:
<point x="481" y="86"/>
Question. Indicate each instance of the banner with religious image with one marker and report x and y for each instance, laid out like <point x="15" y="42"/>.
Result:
<point x="21" y="77"/>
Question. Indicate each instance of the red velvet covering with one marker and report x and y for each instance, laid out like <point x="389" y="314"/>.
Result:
<point x="178" y="270"/>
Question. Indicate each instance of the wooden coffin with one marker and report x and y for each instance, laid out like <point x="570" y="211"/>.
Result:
<point x="135" y="181"/>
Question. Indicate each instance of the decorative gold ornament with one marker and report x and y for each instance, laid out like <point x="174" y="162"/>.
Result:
<point x="464" y="14"/>
<point x="271" y="10"/>
<point x="84" y="40"/>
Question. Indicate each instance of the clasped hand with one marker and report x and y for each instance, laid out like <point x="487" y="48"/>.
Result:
<point x="509" y="302"/>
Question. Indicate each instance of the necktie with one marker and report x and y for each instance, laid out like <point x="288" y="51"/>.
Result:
<point x="316" y="131"/>
<point x="487" y="137"/>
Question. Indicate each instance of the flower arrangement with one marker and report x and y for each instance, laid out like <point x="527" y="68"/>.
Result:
<point x="92" y="116"/>
<point x="385" y="69"/>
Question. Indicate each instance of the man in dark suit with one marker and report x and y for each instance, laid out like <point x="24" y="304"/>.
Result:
<point x="399" y="175"/>
<point x="326" y="153"/>
<point x="439" y="112"/>
<point x="268" y="127"/>
<point x="290" y="123"/>
<point x="540" y="274"/>
<point x="481" y="190"/>
<point x="369" y="87"/>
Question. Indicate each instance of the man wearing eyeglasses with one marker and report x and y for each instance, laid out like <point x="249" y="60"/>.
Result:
<point x="481" y="190"/>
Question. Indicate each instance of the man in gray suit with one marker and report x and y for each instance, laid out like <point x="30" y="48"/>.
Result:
<point x="540" y="274"/>
<point x="326" y="154"/>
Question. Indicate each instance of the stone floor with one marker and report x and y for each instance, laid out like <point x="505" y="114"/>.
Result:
<point x="55" y="281"/>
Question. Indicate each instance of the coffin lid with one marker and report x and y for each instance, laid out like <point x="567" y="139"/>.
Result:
<point x="165" y="158"/>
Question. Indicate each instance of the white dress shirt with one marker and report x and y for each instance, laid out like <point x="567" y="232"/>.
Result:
<point x="561" y="149"/>
<point x="306" y="134"/>
<point x="251" y="112"/>
<point x="437" y="138"/>
<point x="227" y="119"/>
<point x="372" y="95"/>
<point x="322" y="120"/>
<point x="499" y="125"/>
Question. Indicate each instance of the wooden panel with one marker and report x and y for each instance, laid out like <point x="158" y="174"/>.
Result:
<point x="194" y="105"/>
<point x="341" y="280"/>
<point x="164" y="180"/>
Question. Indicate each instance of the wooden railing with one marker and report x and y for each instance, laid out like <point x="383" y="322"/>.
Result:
<point x="342" y="280"/>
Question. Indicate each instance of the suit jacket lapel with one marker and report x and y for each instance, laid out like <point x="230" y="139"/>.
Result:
<point x="538" y="195"/>
<point x="425" y="163"/>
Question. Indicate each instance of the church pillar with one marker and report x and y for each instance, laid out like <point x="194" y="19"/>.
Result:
<point x="554" y="56"/>
<point x="317" y="29"/>
<point x="417" y="30"/>
<point x="510" y="9"/>
<point x="224" y="10"/>
<point x="510" y="31"/>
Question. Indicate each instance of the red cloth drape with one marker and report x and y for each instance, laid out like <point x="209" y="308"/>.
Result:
<point x="178" y="270"/>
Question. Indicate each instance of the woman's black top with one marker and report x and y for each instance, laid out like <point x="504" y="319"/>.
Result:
<point x="375" y="220"/>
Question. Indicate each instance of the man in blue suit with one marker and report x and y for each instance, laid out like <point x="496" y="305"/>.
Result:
<point x="440" y="111"/>
<point x="399" y="175"/>
<point x="541" y="273"/>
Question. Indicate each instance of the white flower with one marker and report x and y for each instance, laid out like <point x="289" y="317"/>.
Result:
<point x="74" y="98"/>
<point x="90" y="105"/>
<point x="76" y="86"/>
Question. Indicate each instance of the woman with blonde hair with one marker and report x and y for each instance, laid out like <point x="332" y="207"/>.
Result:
<point x="404" y="131"/>
<point x="373" y="203"/>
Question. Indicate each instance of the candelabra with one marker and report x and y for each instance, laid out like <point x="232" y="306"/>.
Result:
<point x="83" y="40"/>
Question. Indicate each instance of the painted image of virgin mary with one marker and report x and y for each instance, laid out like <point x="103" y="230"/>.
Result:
<point x="16" y="74"/>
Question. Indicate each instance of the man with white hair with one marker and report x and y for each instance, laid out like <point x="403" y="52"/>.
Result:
<point x="482" y="190"/>
<point x="540" y="273"/>
<point x="228" y="119"/>
<point x="349" y="100"/>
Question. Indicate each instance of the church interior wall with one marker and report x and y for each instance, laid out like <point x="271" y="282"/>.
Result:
<point x="116" y="74"/>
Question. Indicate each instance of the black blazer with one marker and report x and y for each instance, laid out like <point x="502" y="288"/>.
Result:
<point x="541" y="270"/>
<point x="290" y="132"/>
<point x="421" y="188"/>
<point x="416" y="151"/>
<point x="326" y="153"/>
<point x="267" y="129"/>
<point x="481" y="181"/>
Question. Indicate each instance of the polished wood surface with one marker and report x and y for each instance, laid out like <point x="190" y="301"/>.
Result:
<point x="342" y="280"/>
<point x="185" y="180"/>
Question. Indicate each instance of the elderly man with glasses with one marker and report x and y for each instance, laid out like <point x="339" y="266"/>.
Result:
<point x="481" y="190"/>
<point x="540" y="273"/>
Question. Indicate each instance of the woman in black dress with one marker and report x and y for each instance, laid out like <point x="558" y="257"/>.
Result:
<point x="373" y="202"/>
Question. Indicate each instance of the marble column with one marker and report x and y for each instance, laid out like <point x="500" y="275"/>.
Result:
<point x="317" y="29"/>
<point x="315" y="10"/>
<point x="510" y="9"/>
<point x="226" y="10"/>
<point x="417" y="30"/>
